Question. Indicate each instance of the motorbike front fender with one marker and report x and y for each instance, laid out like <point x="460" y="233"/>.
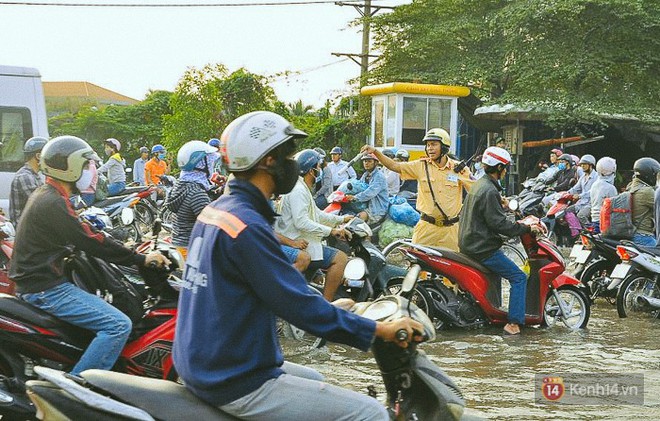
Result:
<point x="565" y="279"/>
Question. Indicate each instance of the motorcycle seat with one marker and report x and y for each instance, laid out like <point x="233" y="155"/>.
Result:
<point x="462" y="258"/>
<point x="28" y="313"/>
<point x="609" y="241"/>
<point x="109" y="201"/>
<point x="651" y="250"/>
<point x="131" y="190"/>
<point x="164" y="400"/>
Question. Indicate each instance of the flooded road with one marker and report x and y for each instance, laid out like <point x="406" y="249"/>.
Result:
<point x="496" y="373"/>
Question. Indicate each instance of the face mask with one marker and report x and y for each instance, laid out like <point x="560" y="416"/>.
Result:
<point x="561" y="166"/>
<point x="162" y="156"/>
<point x="85" y="180"/>
<point x="285" y="174"/>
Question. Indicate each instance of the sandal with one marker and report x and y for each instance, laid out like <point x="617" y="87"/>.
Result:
<point x="510" y="331"/>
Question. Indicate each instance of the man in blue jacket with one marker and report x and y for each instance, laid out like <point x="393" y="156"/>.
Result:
<point x="376" y="194"/>
<point x="237" y="281"/>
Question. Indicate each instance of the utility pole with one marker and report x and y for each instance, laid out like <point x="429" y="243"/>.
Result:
<point x="367" y="11"/>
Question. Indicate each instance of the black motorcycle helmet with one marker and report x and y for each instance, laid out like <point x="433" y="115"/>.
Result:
<point x="647" y="169"/>
<point x="64" y="158"/>
<point x="33" y="145"/>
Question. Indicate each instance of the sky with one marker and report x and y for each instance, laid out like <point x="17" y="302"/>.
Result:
<point x="133" y="50"/>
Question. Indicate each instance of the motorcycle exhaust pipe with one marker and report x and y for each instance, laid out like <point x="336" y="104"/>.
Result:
<point x="649" y="301"/>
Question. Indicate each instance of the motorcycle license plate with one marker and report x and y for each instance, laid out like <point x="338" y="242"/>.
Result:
<point x="582" y="256"/>
<point x="620" y="271"/>
<point x="575" y="251"/>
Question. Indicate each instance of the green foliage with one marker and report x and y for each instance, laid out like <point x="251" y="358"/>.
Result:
<point x="134" y="126"/>
<point x="579" y="60"/>
<point x="206" y="100"/>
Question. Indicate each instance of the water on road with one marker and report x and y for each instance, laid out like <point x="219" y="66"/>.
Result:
<point x="496" y="373"/>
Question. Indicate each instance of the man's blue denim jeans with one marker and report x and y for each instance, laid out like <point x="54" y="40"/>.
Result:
<point x="71" y="304"/>
<point x="503" y="266"/>
<point x="647" y="240"/>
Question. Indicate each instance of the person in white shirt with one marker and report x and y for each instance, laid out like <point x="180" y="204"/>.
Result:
<point x="300" y="218"/>
<point x="392" y="177"/>
<point x="336" y="165"/>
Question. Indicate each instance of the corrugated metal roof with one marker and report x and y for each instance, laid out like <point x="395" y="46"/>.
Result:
<point x="84" y="90"/>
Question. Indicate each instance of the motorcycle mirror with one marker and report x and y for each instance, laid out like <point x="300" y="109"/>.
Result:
<point x="513" y="204"/>
<point x="410" y="279"/>
<point x="129" y="170"/>
<point x="127" y="216"/>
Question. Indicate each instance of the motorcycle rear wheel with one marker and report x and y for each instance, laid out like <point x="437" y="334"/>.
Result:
<point x="632" y="287"/>
<point x="572" y="298"/>
<point x="593" y="274"/>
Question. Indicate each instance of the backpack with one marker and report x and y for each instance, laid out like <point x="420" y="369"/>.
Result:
<point x="616" y="217"/>
<point x="107" y="282"/>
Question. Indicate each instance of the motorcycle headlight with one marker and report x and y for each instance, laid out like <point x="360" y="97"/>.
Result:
<point x="7" y="230"/>
<point x="355" y="269"/>
<point x="127" y="216"/>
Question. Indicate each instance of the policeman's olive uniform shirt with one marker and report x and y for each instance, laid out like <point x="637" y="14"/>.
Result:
<point x="448" y="190"/>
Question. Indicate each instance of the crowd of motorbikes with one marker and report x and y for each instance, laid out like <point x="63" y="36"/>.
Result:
<point x="439" y="287"/>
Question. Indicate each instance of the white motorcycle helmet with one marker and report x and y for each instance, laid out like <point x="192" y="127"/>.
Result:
<point x="606" y="166"/>
<point x="494" y="156"/>
<point x="192" y="153"/>
<point x="250" y="137"/>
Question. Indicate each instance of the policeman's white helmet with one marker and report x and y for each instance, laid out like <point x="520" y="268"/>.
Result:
<point x="192" y="153"/>
<point x="494" y="156"/>
<point x="606" y="166"/>
<point x="250" y="137"/>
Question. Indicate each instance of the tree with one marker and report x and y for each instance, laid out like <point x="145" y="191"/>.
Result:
<point x="206" y="100"/>
<point x="299" y="109"/>
<point x="134" y="125"/>
<point x="577" y="60"/>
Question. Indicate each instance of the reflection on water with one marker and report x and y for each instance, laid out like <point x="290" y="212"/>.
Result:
<point x="496" y="373"/>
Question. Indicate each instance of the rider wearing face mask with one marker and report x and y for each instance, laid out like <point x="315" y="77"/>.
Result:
<point x="440" y="189"/>
<point x="484" y="222"/>
<point x="189" y="194"/>
<point x="49" y="229"/>
<point x="237" y="282"/>
<point x="156" y="166"/>
<point x="300" y="218"/>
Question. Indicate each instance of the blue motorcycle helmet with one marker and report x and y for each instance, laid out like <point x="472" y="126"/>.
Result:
<point x="307" y="159"/>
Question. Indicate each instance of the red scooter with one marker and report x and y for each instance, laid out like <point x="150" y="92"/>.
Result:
<point x="471" y="295"/>
<point x="6" y="248"/>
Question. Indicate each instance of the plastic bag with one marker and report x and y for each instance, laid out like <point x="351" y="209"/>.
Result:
<point x="400" y="211"/>
<point x="392" y="231"/>
<point x="354" y="186"/>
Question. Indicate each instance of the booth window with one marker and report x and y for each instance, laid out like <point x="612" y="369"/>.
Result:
<point x="379" y="110"/>
<point x="391" y="121"/>
<point x="422" y="114"/>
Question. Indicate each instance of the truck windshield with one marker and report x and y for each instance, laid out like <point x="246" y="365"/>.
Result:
<point x="15" y="129"/>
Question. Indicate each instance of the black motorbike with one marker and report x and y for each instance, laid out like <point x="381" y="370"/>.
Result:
<point x="416" y="388"/>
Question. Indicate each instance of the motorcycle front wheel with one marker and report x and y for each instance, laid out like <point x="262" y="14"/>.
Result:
<point x="420" y="297"/>
<point x="574" y="301"/>
<point x="628" y="299"/>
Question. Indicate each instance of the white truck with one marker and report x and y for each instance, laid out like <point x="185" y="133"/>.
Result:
<point x="22" y="116"/>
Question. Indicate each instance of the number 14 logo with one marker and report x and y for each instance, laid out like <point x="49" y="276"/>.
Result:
<point x="552" y="388"/>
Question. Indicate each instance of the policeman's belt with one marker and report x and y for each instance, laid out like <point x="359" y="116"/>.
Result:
<point x="439" y="222"/>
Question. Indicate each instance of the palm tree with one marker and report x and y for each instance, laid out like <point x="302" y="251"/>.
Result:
<point x="299" y="109"/>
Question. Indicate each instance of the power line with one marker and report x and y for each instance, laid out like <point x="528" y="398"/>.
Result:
<point x="164" y="5"/>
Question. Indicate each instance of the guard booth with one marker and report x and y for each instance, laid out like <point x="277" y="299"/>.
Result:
<point x="401" y="113"/>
